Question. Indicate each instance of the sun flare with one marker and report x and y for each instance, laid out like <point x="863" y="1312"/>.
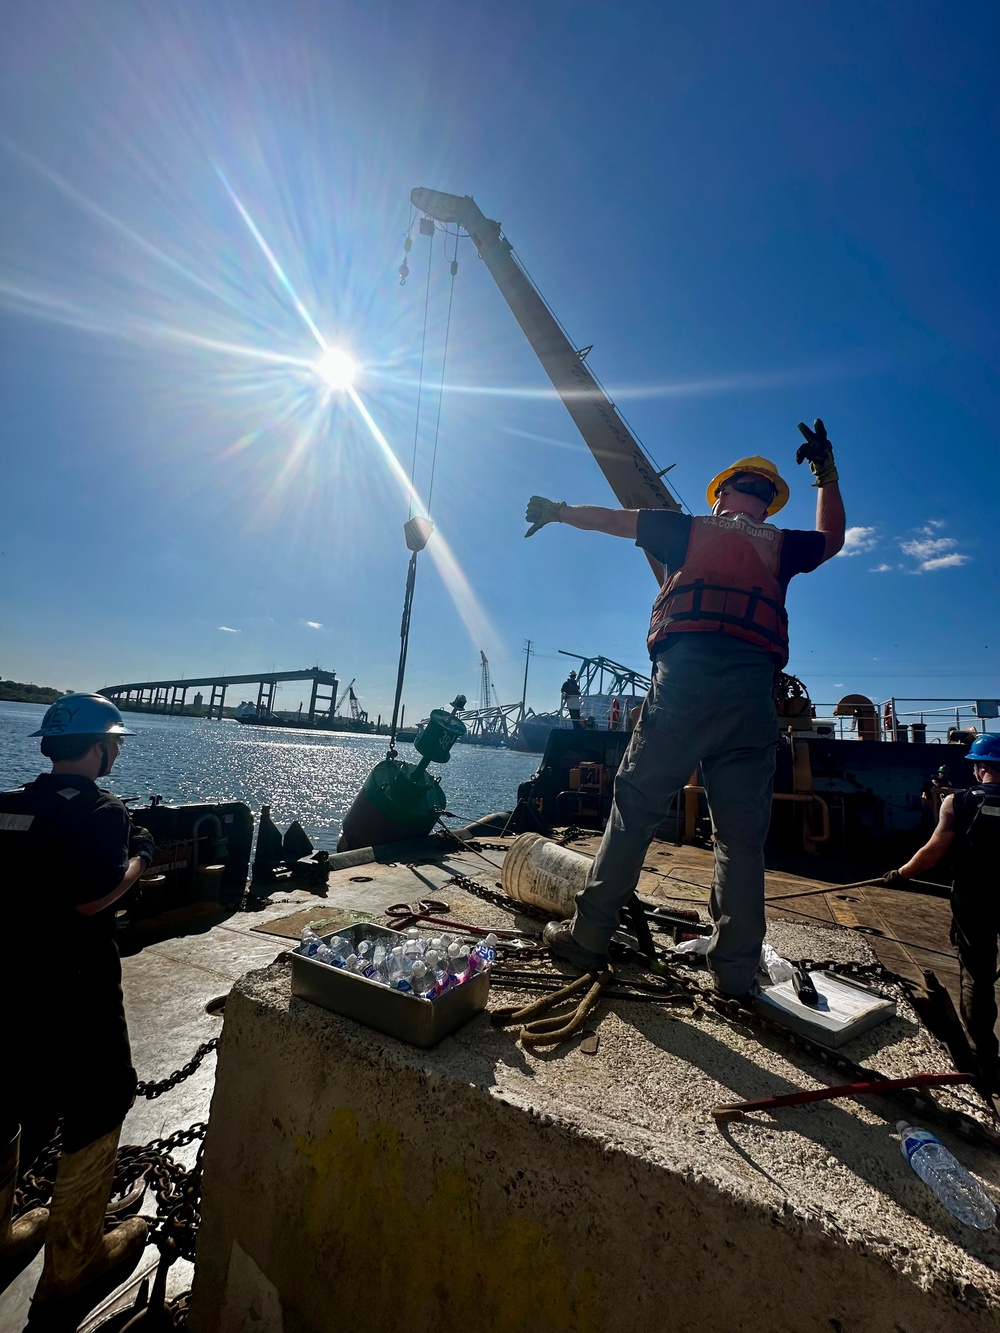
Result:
<point x="336" y="368"/>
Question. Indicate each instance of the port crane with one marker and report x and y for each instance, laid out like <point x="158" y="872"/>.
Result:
<point x="357" y="712"/>
<point x="632" y="477"/>
<point x="340" y="702"/>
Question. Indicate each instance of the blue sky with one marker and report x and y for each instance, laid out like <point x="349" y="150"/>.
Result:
<point x="757" y="213"/>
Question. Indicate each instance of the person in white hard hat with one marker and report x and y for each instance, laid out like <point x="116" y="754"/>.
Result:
<point x="717" y="635"/>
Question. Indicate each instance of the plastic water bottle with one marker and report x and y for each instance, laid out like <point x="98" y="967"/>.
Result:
<point x="483" y="955"/>
<point x="396" y="963"/>
<point x="960" y="1193"/>
<point x="422" y="981"/>
<point x="457" y="963"/>
<point x="311" y="942"/>
<point x="443" y="980"/>
<point x="335" y="952"/>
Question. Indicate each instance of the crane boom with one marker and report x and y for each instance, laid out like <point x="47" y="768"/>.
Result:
<point x="339" y="703"/>
<point x="630" y="474"/>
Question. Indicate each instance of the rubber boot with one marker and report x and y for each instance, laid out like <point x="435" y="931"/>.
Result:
<point x="20" y="1241"/>
<point x="83" y="1264"/>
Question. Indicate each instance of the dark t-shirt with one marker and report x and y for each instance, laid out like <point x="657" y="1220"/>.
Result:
<point x="63" y="842"/>
<point x="664" y="534"/>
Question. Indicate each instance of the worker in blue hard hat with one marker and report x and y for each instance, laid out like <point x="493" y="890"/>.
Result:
<point x="969" y="827"/>
<point x="69" y="853"/>
<point x="717" y="634"/>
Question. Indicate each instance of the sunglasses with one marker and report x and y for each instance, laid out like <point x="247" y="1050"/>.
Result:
<point x="751" y="483"/>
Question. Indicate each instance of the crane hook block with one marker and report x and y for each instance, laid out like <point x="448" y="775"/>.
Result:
<point x="417" y="532"/>
<point x="454" y="267"/>
<point x="404" y="273"/>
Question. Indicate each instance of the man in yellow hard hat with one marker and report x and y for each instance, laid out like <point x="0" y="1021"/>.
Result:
<point x="717" y="635"/>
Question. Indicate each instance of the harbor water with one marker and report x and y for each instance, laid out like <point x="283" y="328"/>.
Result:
<point x="309" y="776"/>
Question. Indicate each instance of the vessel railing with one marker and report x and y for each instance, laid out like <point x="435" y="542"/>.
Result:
<point x="914" y="719"/>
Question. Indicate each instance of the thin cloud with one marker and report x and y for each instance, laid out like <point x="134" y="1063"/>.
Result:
<point x="859" y="540"/>
<point x="928" y="548"/>
<point x="228" y="629"/>
<point x="931" y="551"/>
<point x="314" y="624"/>
<point x="880" y="569"/>
<point x="946" y="561"/>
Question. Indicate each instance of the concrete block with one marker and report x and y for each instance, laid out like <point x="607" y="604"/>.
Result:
<point x="353" y="1181"/>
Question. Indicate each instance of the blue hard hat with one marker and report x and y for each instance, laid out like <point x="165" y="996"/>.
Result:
<point x="985" y="747"/>
<point x="82" y="715"/>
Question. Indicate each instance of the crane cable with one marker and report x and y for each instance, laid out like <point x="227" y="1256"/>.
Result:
<point x="444" y="364"/>
<point x="411" y="573"/>
<point x="420" y="379"/>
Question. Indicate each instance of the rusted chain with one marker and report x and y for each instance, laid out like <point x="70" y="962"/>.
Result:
<point x="151" y="1090"/>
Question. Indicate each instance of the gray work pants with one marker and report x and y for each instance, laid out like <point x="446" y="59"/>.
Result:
<point x="711" y="703"/>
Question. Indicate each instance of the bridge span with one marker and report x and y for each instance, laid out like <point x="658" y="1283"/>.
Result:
<point x="170" y="696"/>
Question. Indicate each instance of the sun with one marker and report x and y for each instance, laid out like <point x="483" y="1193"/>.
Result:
<point x="335" y="368"/>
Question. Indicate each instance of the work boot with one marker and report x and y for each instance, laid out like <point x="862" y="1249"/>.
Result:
<point x="747" y="998"/>
<point x="558" y="935"/>
<point x="20" y="1240"/>
<point x="83" y="1264"/>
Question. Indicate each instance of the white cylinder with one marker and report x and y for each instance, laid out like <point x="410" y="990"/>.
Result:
<point x="544" y="874"/>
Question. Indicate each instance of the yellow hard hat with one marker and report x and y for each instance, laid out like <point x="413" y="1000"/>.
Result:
<point x="764" y="468"/>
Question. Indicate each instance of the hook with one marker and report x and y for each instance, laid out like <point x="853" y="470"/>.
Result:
<point x="404" y="268"/>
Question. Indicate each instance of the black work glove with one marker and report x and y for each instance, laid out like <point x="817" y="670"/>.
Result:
<point x="892" y="879"/>
<point x="541" y="511"/>
<point x="141" y="844"/>
<point x="818" y="453"/>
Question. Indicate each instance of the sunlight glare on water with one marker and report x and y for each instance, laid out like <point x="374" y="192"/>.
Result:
<point x="309" y="776"/>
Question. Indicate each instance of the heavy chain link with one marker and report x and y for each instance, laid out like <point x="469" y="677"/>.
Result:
<point x="174" y="1229"/>
<point x="151" y="1090"/>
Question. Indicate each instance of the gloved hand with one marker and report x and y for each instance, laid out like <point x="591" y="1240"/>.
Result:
<point x="541" y="511"/>
<point x="818" y="453"/>
<point x="892" y="879"/>
<point x="141" y="844"/>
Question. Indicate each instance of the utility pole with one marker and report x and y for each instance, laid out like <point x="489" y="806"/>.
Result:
<point x="524" y="690"/>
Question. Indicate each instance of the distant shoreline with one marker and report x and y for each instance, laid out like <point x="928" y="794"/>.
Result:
<point x="18" y="692"/>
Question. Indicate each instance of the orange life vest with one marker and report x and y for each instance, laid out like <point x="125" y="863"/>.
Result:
<point x="728" y="582"/>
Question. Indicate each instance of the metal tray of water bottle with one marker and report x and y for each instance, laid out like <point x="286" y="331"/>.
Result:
<point x="407" y="1017"/>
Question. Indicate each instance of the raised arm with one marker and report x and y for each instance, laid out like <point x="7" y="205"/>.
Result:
<point x="590" y="518"/>
<point x="818" y="453"/>
<point x="593" y="518"/>
<point x="830" y="520"/>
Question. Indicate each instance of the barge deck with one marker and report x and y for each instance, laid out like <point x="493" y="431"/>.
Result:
<point x="729" y="1205"/>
